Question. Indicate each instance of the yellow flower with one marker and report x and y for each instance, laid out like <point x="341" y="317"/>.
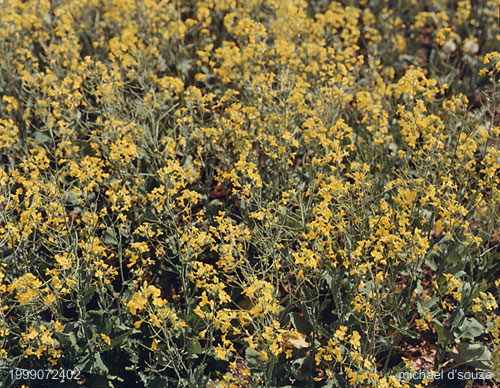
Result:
<point x="27" y="287"/>
<point x="340" y="333"/>
<point x="136" y="303"/>
<point x="58" y="327"/>
<point x="32" y="333"/>
<point x="106" y="339"/>
<point x="220" y="352"/>
<point x="355" y="339"/>
<point x="11" y="103"/>
<point x="46" y="337"/>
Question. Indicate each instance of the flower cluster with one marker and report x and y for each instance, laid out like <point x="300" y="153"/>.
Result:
<point x="257" y="193"/>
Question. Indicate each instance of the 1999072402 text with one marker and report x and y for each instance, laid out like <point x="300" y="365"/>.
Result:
<point x="44" y="374"/>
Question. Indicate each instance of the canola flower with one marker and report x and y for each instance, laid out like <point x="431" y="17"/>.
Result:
<point x="266" y="193"/>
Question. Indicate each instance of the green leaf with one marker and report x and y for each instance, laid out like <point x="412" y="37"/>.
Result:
<point x="88" y="294"/>
<point x="96" y="381"/>
<point x="475" y="355"/>
<point x="444" y="335"/>
<point x="301" y="368"/>
<point x="94" y="365"/>
<point x="336" y="382"/>
<point x="157" y="382"/>
<point x="42" y="138"/>
<point x="300" y="323"/>
<point x="71" y="198"/>
<point x="110" y="237"/>
<point x="252" y="358"/>
<point x="470" y="329"/>
<point x="454" y="257"/>
<point x="194" y="347"/>
<point x="411" y="334"/>
<point x="184" y="66"/>
<point x="457" y="318"/>
<point x="118" y="340"/>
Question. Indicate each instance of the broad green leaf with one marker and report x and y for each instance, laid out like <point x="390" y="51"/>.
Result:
<point x="475" y="355"/>
<point x="300" y="323"/>
<point x="444" y="335"/>
<point x="194" y="346"/>
<point x="470" y="329"/>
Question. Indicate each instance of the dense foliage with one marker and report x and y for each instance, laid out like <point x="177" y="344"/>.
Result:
<point x="257" y="193"/>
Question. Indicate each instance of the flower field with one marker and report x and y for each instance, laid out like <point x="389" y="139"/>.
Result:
<point x="258" y="193"/>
